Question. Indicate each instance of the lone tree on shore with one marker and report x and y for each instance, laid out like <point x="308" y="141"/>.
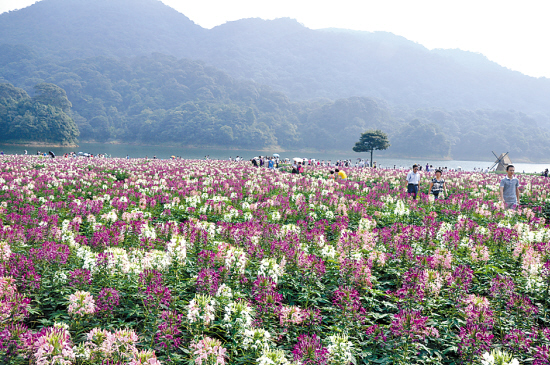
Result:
<point x="373" y="139"/>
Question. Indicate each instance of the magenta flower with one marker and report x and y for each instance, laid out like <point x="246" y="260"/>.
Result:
<point x="208" y="281"/>
<point x="347" y="300"/>
<point x="80" y="278"/>
<point x="310" y="351"/>
<point x="502" y="287"/>
<point x="169" y="334"/>
<point x="411" y="325"/>
<point x="107" y="299"/>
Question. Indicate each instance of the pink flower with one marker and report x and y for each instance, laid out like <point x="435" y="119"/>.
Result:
<point x="52" y="345"/>
<point x="81" y="303"/>
<point x="208" y="351"/>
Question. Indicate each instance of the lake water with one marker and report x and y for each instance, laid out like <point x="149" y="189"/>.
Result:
<point x="163" y="152"/>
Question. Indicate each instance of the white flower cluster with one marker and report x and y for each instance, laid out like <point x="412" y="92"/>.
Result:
<point x="328" y="252"/>
<point x="255" y="339"/>
<point x="224" y="293"/>
<point x="148" y="232"/>
<point x="60" y="278"/>
<point x="275" y="216"/>
<point x="201" y="309"/>
<point x="67" y="236"/>
<point x="366" y="224"/>
<point x="193" y="201"/>
<point x="270" y="268"/>
<point x="235" y="260"/>
<point x="110" y="217"/>
<point x="340" y="349"/>
<point x="401" y="209"/>
<point x="497" y="357"/>
<point x="289" y="228"/>
<point x="233" y="213"/>
<point x="121" y="262"/>
<point x="209" y="227"/>
<point x="444" y="228"/>
<point x="274" y="357"/>
<point x="177" y="249"/>
<point x="5" y="251"/>
<point x="238" y="316"/>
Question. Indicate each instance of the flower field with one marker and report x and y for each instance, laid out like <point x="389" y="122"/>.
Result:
<point x="112" y="261"/>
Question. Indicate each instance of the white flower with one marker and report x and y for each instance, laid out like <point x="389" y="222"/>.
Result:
<point x="270" y="267"/>
<point x="340" y="350"/>
<point x="273" y="357"/>
<point x="238" y="316"/>
<point x="224" y="292"/>
<point x="256" y="339"/>
<point x="177" y="248"/>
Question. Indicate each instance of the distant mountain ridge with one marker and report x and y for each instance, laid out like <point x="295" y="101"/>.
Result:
<point x="138" y="71"/>
<point x="282" y="53"/>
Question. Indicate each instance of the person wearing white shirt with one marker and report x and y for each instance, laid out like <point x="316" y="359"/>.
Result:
<point x="413" y="181"/>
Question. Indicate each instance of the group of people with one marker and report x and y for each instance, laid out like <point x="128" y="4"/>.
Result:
<point x="508" y="192"/>
<point x="436" y="187"/>
<point x="271" y="162"/>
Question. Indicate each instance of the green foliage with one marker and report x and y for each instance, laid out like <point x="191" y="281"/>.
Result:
<point x="372" y="140"/>
<point x="23" y="119"/>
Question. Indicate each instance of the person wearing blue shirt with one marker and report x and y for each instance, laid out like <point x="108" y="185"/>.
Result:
<point x="509" y="188"/>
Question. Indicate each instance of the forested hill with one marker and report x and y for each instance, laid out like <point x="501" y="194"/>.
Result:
<point x="300" y="62"/>
<point x="162" y="99"/>
<point x="44" y="118"/>
<point x="69" y="29"/>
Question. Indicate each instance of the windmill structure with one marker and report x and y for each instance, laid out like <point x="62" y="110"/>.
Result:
<point x="502" y="161"/>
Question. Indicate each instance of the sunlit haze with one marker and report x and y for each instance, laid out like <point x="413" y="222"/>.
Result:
<point x="511" y="33"/>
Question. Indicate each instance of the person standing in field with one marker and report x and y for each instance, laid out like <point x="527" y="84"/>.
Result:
<point x="437" y="185"/>
<point x="413" y="181"/>
<point x="509" y="188"/>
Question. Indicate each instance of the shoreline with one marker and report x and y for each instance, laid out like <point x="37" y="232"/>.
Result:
<point x="309" y="153"/>
<point x="39" y="144"/>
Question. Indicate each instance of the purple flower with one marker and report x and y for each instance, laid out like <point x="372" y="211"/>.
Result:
<point x="157" y="295"/>
<point x="518" y="341"/>
<point x="377" y="332"/>
<point x="412" y="325"/>
<point x="107" y="300"/>
<point x="51" y="252"/>
<point x="521" y="305"/>
<point x="310" y="351"/>
<point x="461" y="279"/>
<point x="169" y="334"/>
<point x="208" y="281"/>
<point x="80" y="278"/>
<point x="502" y="287"/>
<point x="22" y="270"/>
<point x="474" y="339"/>
<point x="150" y="277"/>
<point x="347" y="300"/>
<point x="542" y="356"/>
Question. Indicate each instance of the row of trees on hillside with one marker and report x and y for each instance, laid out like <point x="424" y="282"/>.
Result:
<point x="161" y="99"/>
<point x="42" y="118"/>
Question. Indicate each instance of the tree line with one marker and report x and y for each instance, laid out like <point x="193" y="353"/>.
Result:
<point x="160" y="99"/>
<point x="42" y="118"/>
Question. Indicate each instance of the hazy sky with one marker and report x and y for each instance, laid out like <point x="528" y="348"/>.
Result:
<point x="512" y="33"/>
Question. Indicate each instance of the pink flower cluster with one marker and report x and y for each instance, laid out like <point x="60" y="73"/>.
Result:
<point x="81" y="303"/>
<point x="208" y="351"/>
<point x="52" y="345"/>
<point x="13" y="305"/>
